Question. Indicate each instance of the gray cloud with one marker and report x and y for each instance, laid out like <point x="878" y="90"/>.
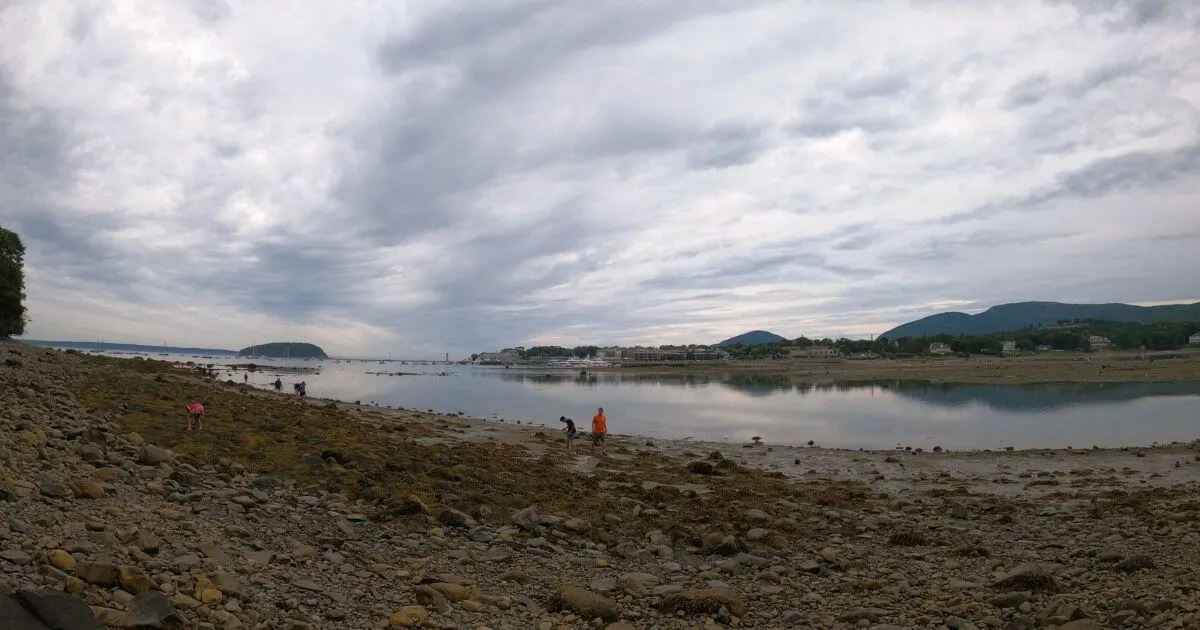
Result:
<point x="467" y="176"/>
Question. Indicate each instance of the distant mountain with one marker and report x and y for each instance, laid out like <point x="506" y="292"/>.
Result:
<point x="752" y="338"/>
<point x="281" y="350"/>
<point x="123" y="347"/>
<point x="1007" y="317"/>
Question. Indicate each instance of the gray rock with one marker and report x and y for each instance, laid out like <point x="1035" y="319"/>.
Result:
<point x="152" y="455"/>
<point x="98" y="573"/>
<point x="150" y="610"/>
<point x="958" y="511"/>
<point x="59" y="611"/>
<point x="14" y="616"/>
<point x="526" y="518"/>
<point x="869" y="614"/>
<point x="497" y="554"/>
<point x="1010" y="600"/>
<point x="792" y="617"/>
<point x="751" y="560"/>
<point x="52" y="486"/>
<point x="15" y="556"/>
<point x="587" y="604"/>
<point x="1135" y="563"/>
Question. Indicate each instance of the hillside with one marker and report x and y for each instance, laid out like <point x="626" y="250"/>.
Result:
<point x="284" y="350"/>
<point x="1007" y="317"/>
<point x="123" y="347"/>
<point x="752" y="338"/>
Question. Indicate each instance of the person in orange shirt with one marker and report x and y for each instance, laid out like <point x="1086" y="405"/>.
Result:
<point x="599" y="431"/>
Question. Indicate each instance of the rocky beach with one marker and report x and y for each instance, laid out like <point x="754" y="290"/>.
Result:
<point x="283" y="514"/>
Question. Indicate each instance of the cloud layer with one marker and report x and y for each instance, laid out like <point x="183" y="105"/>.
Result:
<point x="448" y="176"/>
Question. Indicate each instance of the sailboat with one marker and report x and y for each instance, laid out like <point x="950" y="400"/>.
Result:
<point x="164" y="349"/>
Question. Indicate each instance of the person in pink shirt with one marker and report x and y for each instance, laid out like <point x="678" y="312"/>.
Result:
<point x="195" y="413"/>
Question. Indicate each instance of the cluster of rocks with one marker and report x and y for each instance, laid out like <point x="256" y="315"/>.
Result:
<point x="124" y="534"/>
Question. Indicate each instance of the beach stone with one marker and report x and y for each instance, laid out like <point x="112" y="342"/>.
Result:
<point x="87" y="489"/>
<point x="259" y="558"/>
<point x="150" y="609"/>
<point x="152" y="455"/>
<point x="587" y="604"/>
<point x="91" y="453"/>
<point x="59" y="611"/>
<point x="147" y="542"/>
<point x="52" y="486"/>
<point x="409" y="617"/>
<point x="134" y="580"/>
<point x="526" y="518"/>
<point x="1081" y="624"/>
<point x="61" y="560"/>
<point x="700" y="467"/>
<point x="14" y="615"/>
<point x="1135" y="563"/>
<point x="958" y="511"/>
<point x="98" y="573"/>
<point x="432" y="598"/>
<point x="16" y="556"/>
<point x="638" y="584"/>
<point x="707" y="600"/>
<point x="576" y="525"/>
<point x="453" y="592"/>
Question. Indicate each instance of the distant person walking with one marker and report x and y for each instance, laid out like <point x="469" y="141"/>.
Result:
<point x="600" y="431"/>
<point x="303" y="389"/>
<point x="278" y="385"/>
<point x="245" y="378"/>
<point x="572" y="434"/>
<point x="195" y="413"/>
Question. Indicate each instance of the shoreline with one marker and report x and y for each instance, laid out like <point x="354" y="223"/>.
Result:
<point x="319" y="514"/>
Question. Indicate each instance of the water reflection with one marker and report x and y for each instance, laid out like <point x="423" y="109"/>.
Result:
<point x="734" y="407"/>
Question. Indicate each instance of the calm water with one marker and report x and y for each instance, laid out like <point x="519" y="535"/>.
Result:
<point x="737" y="407"/>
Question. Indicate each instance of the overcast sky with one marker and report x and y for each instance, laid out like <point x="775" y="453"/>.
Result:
<point x="451" y="176"/>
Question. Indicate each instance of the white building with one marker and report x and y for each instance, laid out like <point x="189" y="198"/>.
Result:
<point x="1009" y="347"/>
<point x="1099" y="343"/>
<point x="814" y="353"/>
<point x="1194" y="340"/>
<point x="939" y="348"/>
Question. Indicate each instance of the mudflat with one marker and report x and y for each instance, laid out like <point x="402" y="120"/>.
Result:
<point x="1047" y="368"/>
<point x="317" y="514"/>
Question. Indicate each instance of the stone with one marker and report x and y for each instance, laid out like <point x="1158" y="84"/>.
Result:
<point x="98" y="573"/>
<point x="147" y="542"/>
<point x="87" y="489"/>
<point x="704" y="600"/>
<point x="455" y="518"/>
<point x="427" y="596"/>
<point x="638" y="584"/>
<point x="869" y="614"/>
<point x="576" y="525"/>
<point x="958" y="511"/>
<point x="259" y="558"/>
<point x="15" y="556"/>
<point x="587" y="604"/>
<point x="61" y="560"/>
<point x="791" y="617"/>
<point x="59" y="611"/>
<point x="700" y="467"/>
<point x="52" y="486"/>
<point x="1081" y="624"/>
<point x="453" y="592"/>
<point x="134" y="580"/>
<point x="1029" y="576"/>
<point x="152" y="455"/>
<point x="497" y="554"/>
<point x="1010" y="600"/>
<point x="91" y="453"/>
<point x="214" y="552"/>
<point x="526" y="518"/>
<point x="1135" y="563"/>
<point x="1109" y="556"/>
<point x="409" y="617"/>
<point x="14" y="616"/>
<point x="150" y="610"/>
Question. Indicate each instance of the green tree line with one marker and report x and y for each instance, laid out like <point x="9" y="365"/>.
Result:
<point x="1070" y="336"/>
<point x="12" y="284"/>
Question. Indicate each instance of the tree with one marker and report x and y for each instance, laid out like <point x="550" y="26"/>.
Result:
<point x="12" y="284"/>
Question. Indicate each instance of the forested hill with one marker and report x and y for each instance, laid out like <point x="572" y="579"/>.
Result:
<point x="1010" y="317"/>
<point x="752" y="338"/>
<point x="284" y="349"/>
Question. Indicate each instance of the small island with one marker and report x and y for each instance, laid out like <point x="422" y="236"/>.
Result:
<point x="284" y="350"/>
